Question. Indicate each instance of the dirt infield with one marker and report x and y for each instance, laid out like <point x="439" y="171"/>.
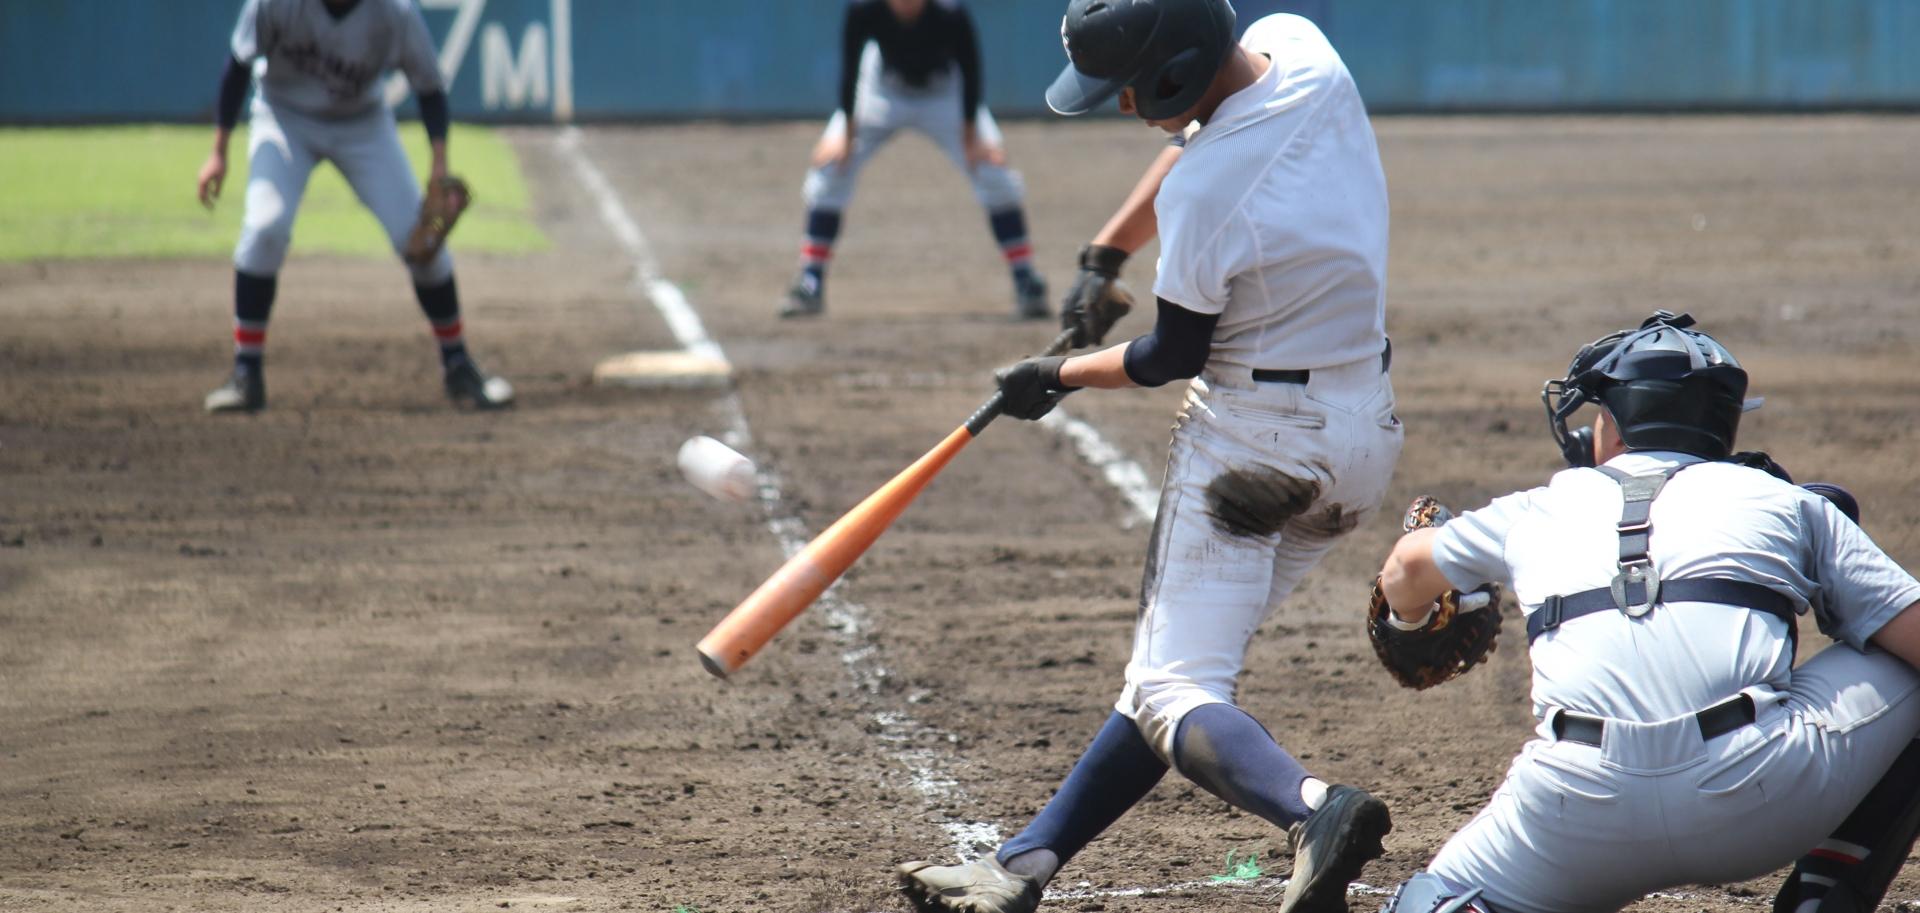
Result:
<point x="364" y="652"/>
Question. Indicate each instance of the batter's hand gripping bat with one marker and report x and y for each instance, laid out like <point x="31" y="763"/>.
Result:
<point x="815" y="567"/>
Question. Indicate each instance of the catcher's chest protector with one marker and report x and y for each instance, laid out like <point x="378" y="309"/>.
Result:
<point x="1636" y="589"/>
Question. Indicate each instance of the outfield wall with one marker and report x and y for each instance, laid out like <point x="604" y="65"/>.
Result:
<point x="558" y="60"/>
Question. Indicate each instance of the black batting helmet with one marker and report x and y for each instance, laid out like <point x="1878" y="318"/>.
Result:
<point x="1167" y="50"/>
<point x="1668" y="388"/>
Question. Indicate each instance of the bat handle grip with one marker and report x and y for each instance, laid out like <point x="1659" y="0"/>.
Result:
<point x="990" y="410"/>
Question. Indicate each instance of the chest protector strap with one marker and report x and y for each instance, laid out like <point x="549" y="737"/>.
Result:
<point x="1636" y="589"/>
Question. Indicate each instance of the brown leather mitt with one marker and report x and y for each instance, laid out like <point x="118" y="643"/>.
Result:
<point x="442" y="205"/>
<point x="1458" y="635"/>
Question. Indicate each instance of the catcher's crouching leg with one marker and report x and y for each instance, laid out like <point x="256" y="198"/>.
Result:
<point x="1429" y="893"/>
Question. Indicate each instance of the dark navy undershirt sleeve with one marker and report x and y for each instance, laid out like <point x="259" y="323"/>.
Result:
<point x="966" y="49"/>
<point x="855" y="32"/>
<point x="233" y="91"/>
<point x="434" y="115"/>
<point x="1176" y="349"/>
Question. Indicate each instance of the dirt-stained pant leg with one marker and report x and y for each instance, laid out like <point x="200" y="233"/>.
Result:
<point x="1262" y="480"/>
<point x="1583" y="829"/>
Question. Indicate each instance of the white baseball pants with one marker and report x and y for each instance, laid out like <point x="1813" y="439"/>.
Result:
<point x="1262" y="479"/>
<point x="282" y="150"/>
<point x="882" y="106"/>
<point x="1577" y="828"/>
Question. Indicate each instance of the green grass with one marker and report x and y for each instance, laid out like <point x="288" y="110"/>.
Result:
<point x="129" y="192"/>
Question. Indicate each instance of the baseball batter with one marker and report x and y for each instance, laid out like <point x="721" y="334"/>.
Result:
<point x="320" y="99"/>
<point x="1272" y="218"/>
<point x="1661" y="582"/>
<point x="911" y="64"/>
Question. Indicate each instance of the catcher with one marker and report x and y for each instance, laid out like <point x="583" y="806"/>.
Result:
<point x="321" y="99"/>
<point x="1661" y="580"/>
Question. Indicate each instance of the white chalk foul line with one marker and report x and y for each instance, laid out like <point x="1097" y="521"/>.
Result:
<point x="682" y="320"/>
<point x="928" y="770"/>
<point x="1126" y="476"/>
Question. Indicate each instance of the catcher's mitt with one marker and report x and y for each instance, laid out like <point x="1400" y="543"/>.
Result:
<point x="445" y="200"/>
<point x="1458" y="635"/>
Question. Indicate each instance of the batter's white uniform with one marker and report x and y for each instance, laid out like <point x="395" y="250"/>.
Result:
<point x="1582" y="828"/>
<point x="320" y="99"/>
<point x="1275" y="218"/>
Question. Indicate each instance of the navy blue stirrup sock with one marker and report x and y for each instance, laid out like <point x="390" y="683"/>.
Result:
<point x="252" y="304"/>
<point x="1010" y="232"/>
<point x="441" y="304"/>
<point x="1115" y="772"/>
<point x="1231" y="755"/>
<point x="823" y="227"/>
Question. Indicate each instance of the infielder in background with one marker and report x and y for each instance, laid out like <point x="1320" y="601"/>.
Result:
<point x="911" y="63"/>
<point x="1271" y="297"/>
<point x="320" y="100"/>
<point x="1677" y="742"/>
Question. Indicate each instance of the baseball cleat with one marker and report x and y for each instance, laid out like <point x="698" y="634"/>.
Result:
<point x="465" y="384"/>
<point x="972" y="887"/>
<point x="1030" y="298"/>
<point x="1330" y="848"/>
<point x="244" y="391"/>
<point x="805" y="299"/>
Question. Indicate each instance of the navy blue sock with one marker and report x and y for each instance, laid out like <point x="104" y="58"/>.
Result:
<point x="252" y="304"/>
<point x="1231" y="755"/>
<point x="823" y="228"/>
<point x="1115" y="772"/>
<point x="442" y="306"/>
<point x="1010" y="231"/>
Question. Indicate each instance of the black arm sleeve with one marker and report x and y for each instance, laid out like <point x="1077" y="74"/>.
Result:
<point x="233" y="91"/>
<point x="853" y="40"/>
<point x="434" y="115"/>
<point x="1176" y="349"/>
<point x="966" y="50"/>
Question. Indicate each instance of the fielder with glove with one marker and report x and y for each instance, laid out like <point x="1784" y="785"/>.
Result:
<point x="1661" y="577"/>
<point x="1270" y="309"/>
<point x="321" y="98"/>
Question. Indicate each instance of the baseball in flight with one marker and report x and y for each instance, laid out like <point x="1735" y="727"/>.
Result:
<point x="717" y="469"/>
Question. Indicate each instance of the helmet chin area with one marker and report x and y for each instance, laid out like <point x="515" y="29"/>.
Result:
<point x="1563" y="398"/>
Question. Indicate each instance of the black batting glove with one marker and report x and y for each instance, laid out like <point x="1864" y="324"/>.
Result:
<point x="1030" y="389"/>
<point x="1086" y="309"/>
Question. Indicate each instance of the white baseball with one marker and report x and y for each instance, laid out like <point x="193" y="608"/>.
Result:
<point x="717" y="469"/>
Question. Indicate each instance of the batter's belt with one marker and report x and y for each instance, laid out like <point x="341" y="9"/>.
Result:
<point x="1717" y="720"/>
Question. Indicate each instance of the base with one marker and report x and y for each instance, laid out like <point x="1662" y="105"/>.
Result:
<point x="674" y="369"/>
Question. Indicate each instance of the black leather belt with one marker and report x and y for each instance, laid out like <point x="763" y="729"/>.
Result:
<point x="1301" y="375"/>
<point x="1717" y="720"/>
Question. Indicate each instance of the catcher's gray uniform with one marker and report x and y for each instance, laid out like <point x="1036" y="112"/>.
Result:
<point x="319" y="98"/>
<point x="1679" y="788"/>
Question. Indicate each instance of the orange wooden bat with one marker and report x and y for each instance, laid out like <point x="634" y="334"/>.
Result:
<point x="807" y="574"/>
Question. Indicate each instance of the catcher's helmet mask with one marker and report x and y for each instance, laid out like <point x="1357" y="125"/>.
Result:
<point x="1667" y="387"/>
<point x="1167" y="50"/>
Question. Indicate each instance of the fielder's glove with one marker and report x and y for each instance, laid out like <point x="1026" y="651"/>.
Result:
<point x="442" y="205"/>
<point x="1098" y="297"/>
<point x="1459" y="633"/>
<point x="1030" y="389"/>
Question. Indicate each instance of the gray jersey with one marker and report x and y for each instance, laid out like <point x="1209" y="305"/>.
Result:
<point x="326" y="65"/>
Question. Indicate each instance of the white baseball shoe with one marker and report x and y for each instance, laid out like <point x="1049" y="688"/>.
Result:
<point x="467" y="385"/>
<point x="973" y="887"/>
<point x="244" y="391"/>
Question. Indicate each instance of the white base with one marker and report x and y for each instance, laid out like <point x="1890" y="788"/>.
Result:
<point x="674" y="369"/>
